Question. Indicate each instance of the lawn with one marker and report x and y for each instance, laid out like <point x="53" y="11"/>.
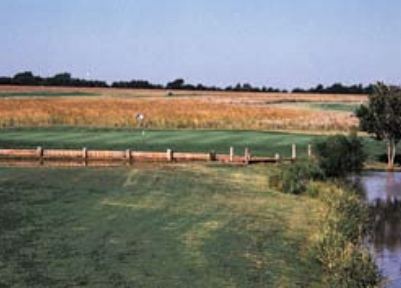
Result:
<point x="321" y="106"/>
<point x="261" y="143"/>
<point x="335" y="106"/>
<point x="153" y="226"/>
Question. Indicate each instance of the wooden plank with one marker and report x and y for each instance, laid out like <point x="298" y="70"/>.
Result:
<point x="182" y="156"/>
<point x="62" y="154"/>
<point x="148" y="156"/>
<point x="107" y="154"/>
<point x="18" y="153"/>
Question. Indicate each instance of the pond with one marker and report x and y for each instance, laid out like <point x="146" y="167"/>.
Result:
<point x="383" y="193"/>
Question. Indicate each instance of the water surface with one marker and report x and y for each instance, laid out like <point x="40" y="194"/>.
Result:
<point x="383" y="192"/>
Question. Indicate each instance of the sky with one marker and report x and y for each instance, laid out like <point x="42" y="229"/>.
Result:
<point x="280" y="43"/>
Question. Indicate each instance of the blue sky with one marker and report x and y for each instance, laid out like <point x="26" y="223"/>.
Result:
<point x="282" y="43"/>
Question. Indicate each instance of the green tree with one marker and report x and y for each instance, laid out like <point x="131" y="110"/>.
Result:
<point x="339" y="155"/>
<point x="381" y="117"/>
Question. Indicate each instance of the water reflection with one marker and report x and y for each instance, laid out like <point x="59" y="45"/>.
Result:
<point x="383" y="192"/>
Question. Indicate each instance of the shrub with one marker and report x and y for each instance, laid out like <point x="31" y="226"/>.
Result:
<point x="340" y="155"/>
<point x="295" y="178"/>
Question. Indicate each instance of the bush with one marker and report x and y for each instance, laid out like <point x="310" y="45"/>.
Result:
<point x="340" y="155"/>
<point x="295" y="178"/>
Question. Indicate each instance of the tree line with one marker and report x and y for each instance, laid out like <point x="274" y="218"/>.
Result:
<point x="65" y="79"/>
<point x="61" y="79"/>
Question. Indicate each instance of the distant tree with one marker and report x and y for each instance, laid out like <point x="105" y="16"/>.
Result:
<point x="62" y="79"/>
<point x="381" y="117"/>
<point x="6" y="81"/>
<point x="298" y="90"/>
<point x="336" y="88"/>
<point x="136" y="84"/>
<point x="247" y="87"/>
<point x="25" y="78"/>
<point x="200" y="87"/>
<point x="368" y="89"/>
<point x="65" y="79"/>
<point x="319" y="88"/>
<point x="238" y="87"/>
<point x="176" y="84"/>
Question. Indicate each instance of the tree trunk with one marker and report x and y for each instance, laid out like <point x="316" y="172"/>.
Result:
<point x="391" y="152"/>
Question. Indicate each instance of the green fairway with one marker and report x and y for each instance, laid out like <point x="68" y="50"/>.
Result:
<point x="153" y="226"/>
<point x="261" y="143"/>
<point x="329" y="106"/>
<point x="334" y="106"/>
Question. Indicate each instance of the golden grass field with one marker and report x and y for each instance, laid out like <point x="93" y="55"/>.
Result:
<point x="102" y="107"/>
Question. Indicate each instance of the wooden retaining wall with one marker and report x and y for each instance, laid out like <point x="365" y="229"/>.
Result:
<point x="130" y="156"/>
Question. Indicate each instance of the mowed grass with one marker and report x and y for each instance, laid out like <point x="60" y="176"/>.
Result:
<point x="260" y="143"/>
<point x="154" y="226"/>
<point x="335" y="106"/>
<point x="322" y="106"/>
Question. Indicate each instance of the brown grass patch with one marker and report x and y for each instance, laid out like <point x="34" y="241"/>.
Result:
<point x="203" y="110"/>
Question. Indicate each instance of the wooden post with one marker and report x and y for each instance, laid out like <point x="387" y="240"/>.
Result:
<point x="277" y="157"/>
<point x="294" y="152"/>
<point x="85" y="155"/>
<point x="212" y="156"/>
<point x="231" y="154"/>
<point x="310" y="151"/>
<point x="170" y="156"/>
<point x="40" y="154"/>
<point x="247" y="155"/>
<point x="128" y="156"/>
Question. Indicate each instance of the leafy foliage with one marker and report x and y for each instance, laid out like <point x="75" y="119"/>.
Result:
<point x="381" y="117"/>
<point x="296" y="177"/>
<point x="339" y="155"/>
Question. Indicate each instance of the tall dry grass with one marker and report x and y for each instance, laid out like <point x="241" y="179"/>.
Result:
<point x="248" y="98"/>
<point x="166" y="112"/>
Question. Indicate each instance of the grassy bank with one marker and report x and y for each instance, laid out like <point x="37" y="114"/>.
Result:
<point x="345" y="224"/>
<point x="153" y="226"/>
<point x="261" y="143"/>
